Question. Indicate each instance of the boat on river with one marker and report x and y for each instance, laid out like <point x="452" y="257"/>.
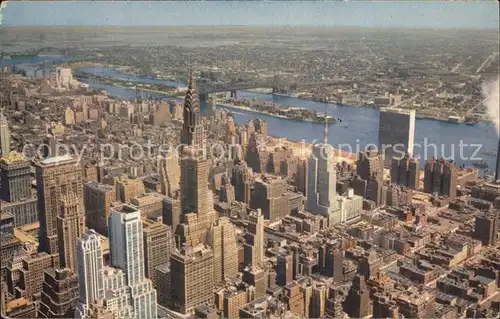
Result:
<point x="487" y="152"/>
<point x="480" y="164"/>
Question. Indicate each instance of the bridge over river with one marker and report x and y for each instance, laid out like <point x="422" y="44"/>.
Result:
<point x="204" y="88"/>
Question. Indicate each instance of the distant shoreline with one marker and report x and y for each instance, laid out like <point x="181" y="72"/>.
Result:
<point x="248" y="109"/>
<point x="418" y="115"/>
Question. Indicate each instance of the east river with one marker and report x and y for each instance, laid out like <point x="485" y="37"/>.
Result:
<point x="358" y="126"/>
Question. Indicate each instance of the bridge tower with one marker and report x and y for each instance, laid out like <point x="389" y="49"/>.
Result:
<point x="276" y="83"/>
<point x="233" y="93"/>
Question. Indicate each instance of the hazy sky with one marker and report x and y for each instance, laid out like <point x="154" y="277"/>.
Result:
<point x="423" y="14"/>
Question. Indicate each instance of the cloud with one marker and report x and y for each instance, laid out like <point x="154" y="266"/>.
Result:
<point x="491" y="101"/>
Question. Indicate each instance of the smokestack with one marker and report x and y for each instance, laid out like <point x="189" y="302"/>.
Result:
<point x="497" y="168"/>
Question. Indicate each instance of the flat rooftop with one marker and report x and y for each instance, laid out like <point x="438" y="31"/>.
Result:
<point x="57" y="160"/>
<point x="396" y="110"/>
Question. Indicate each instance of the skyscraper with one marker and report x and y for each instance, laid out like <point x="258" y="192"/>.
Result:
<point x="97" y="200"/>
<point x="227" y="193"/>
<point x="4" y="134"/>
<point x="193" y="134"/>
<point x="90" y="269"/>
<point x="254" y="246"/>
<point x="284" y="268"/>
<point x="169" y="174"/>
<point x="396" y="133"/>
<point x="59" y="294"/>
<point x="321" y="184"/>
<point x="70" y="227"/>
<point x="32" y="273"/>
<point x="440" y="177"/>
<point x="158" y="245"/>
<point x="369" y="164"/>
<point x="268" y="196"/>
<point x="318" y="300"/>
<point x="191" y="278"/>
<point x="486" y="227"/>
<point x="15" y="173"/>
<point x="497" y="171"/>
<point x="195" y="194"/>
<point x="334" y="258"/>
<point x="15" y="193"/>
<point x="127" y="253"/>
<point x="60" y="201"/>
<point x="406" y="172"/>
<point x="242" y="180"/>
<point x="171" y="214"/>
<point x="223" y="242"/>
<point x="357" y="303"/>
<point x="334" y="303"/>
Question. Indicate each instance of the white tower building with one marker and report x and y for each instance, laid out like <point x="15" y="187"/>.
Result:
<point x="90" y="267"/>
<point x="321" y="182"/>
<point x="127" y="253"/>
<point x="90" y="270"/>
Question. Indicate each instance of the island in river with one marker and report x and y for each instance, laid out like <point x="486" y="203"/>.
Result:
<point x="277" y="110"/>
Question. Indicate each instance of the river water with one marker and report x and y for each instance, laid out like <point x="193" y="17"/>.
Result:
<point x="359" y="126"/>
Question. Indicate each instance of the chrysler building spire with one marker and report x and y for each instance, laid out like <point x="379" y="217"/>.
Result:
<point x="192" y="131"/>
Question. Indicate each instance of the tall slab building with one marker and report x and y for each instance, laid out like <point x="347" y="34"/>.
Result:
<point x="396" y="133"/>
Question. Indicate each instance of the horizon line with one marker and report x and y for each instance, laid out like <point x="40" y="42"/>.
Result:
<point x="4" y="26"/>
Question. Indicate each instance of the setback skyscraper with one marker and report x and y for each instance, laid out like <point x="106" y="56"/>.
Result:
<point x="60" y="201"/>
<point x="222" y="239"/>
<point x="59" y="295"/>
<point x="127" y="253"/>
<point x="195" y="195"/>
<point x="321" y="182"/>
<point x="90" y="270"/>
<point x="254" y="245"/>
